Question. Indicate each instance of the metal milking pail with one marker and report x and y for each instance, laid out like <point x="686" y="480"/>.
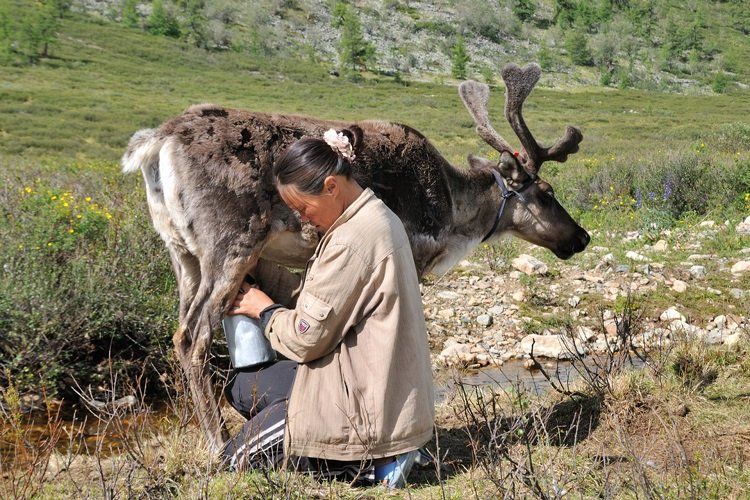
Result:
<point x="247" y="344"/>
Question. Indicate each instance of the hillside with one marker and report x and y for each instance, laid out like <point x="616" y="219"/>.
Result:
<point x="661" y="45"/>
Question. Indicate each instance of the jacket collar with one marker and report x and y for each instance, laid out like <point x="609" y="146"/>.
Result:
<point x="352" y="209"/>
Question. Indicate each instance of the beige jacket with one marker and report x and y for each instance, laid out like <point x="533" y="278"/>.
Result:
<point x="364" y="386"/>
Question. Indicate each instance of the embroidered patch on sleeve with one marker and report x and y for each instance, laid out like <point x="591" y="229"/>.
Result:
<point x="303" y="326"/>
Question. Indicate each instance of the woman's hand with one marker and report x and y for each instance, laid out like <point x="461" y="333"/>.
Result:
<point x="250" y="301"/>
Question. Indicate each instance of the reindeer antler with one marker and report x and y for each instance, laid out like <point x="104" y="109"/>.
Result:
<point x="476" y="98"/>
<point x="519" y="82"/>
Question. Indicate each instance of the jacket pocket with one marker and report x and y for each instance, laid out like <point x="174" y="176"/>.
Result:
<point x="314" y="307"/>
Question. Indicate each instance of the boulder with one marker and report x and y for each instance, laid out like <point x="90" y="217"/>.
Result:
<point x="698" y="272"/>
<point x="529" y="265"/>
<point x="635" y="256"/>
<point x="679" y="286"/>
<point x="549" y="346"/>
<point x="741" y="267"/>
<point x="484" y="320"/>
<point x="743" y="227"/>
<point x="671" y="314"/>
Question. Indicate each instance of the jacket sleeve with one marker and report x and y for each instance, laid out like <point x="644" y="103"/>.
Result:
<point x="326" y="307"/>
<point x="277" y="282"/>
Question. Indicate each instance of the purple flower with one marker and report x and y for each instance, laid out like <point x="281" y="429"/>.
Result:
<point x="651" y="195"/>
<point x="638" y="198"/>
<point x="668" y="188"/>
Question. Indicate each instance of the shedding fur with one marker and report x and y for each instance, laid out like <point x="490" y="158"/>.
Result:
<point x="210" y="192"/>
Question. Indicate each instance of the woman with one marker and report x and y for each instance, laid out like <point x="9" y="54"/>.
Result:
<point x="355" y="393"/>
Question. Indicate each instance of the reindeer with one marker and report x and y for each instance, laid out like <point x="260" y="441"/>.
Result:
<point x="212" y="200"/>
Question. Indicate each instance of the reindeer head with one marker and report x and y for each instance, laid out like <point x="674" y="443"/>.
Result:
<point x="528" y="207"/>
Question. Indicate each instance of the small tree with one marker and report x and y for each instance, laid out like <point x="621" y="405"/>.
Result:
<point x="459" y="59"/>
<point x="524" y="9"/>
<point x="354" y="50"/>
<point x="195" y="24"/>
<point x="161" y="22"/>
<point x="577" y="47"/>
<point x="29" y="32"/>
<point x="130" y="17"/>
<point x="545" y="57"/>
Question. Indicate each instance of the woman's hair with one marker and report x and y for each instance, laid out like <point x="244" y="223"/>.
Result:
<point x="307" y="162"/>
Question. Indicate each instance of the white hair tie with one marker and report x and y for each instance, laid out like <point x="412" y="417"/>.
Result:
<point x="339" y="142"/>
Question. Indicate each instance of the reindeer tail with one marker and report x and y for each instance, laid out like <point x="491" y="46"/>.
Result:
<point x="142" y="151"/>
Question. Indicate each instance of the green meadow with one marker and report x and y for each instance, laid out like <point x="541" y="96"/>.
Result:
<point x="86" y="290"/>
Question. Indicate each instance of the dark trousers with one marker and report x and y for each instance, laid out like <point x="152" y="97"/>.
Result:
<point x="260" y="394"/>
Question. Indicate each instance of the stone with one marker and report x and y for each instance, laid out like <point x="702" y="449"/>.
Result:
<point x="707" y="223"/>
<point x="529" y="265"/>
<point x="574" y="301"/>
<point x="671" y="314"/>
<point x="622" y="268"/>
<point x="698" y="272"/>
<point x="743" y="227"/>
<point x="660" y="246"/>
<point x="635" y="256"/>
<point x="448" y="295"/>
<point x="455" y="351"/>
<point x="679" y="286"/>
<point x="610" y="257"/>
<point x="741" y="267"/>
<point x="519" y="295"/>
<point x="446" y="313"/>
<point x="496" y="310"/>
<point x="732" y="339"/>
<point x="515" y="274"/>
<point x="599" y="249"/>
<point x="484" y="320"/>
<point x="585" y="333"/>
<point x="737" y="293"/>
<point x="610" y="326"/>
<point x="699" y="256"/>
<point x="549" y="346"/>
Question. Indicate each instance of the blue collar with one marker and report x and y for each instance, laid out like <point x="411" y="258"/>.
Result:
<point x="507" y="193"/>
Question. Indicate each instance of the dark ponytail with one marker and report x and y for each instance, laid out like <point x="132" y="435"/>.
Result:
<point x="307" y="162"/>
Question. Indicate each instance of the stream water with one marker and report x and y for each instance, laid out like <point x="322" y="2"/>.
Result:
<point x="83" y="433"/>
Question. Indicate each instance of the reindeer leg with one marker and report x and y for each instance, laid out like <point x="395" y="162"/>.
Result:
<point x="218" y="287"/>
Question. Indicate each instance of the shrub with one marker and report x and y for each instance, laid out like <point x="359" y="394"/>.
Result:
<point x="81" y="278"/>
<point x="162" y="22"/>
<point x="719" y="84"/>
<point x="524" y="9"/>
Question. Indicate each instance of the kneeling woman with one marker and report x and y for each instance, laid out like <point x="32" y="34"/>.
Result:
<point x="355" y="393"/>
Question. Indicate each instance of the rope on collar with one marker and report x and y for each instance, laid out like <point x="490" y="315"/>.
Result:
<point x="507" y="193"/>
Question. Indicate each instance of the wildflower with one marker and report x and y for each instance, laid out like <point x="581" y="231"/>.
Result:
<point x="78" y="216"/>
<point x="65" y="204"/>
<point x="638" y="198"/>
<point x="611" y="189"/>
<point x="668" y="189"/>
<point x="108" y="215"/>
<point x="49" y="243"/>
<point x="71" y="230"/>
<point x="53" y="198"/>
<point x="27" y="189"/>
<point x="88" y="198"/>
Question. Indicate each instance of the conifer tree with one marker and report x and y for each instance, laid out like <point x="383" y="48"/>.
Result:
<point x="161" y="22"/>
<point x="459" y="59"/>
<point x="130" y="16"/>
<point x="354" y="51"/>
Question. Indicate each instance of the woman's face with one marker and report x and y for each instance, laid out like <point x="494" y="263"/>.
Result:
<point x="321" y="210"/>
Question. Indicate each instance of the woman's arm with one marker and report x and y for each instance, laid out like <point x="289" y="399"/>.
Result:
<point x="277" y="282"/>
<point x="328" y="306"/>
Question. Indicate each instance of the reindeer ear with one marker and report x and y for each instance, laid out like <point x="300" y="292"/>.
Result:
<point x="356" y="137"/>
<point x="479" y="163"/>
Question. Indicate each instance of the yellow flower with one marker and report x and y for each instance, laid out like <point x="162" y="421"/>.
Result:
<point x="71" y="231"/>
<point x="65" y="204"/>
<point x="78" y="216"/>
<point x="49" y="243"/>
<point x="612" y="189"/>
<point x="28" y="189"/>
<point x="88" y="198"/>
<point x="108" y="216"/>
<point x="53" y="198"/>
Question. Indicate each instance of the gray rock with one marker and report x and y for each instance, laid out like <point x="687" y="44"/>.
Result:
<point x="671" y="314"/>
<point x="743" y="227"/>
<point x="448" y="295"/>
<point x="484" y="320"/>
<point x="698" y="272"/>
